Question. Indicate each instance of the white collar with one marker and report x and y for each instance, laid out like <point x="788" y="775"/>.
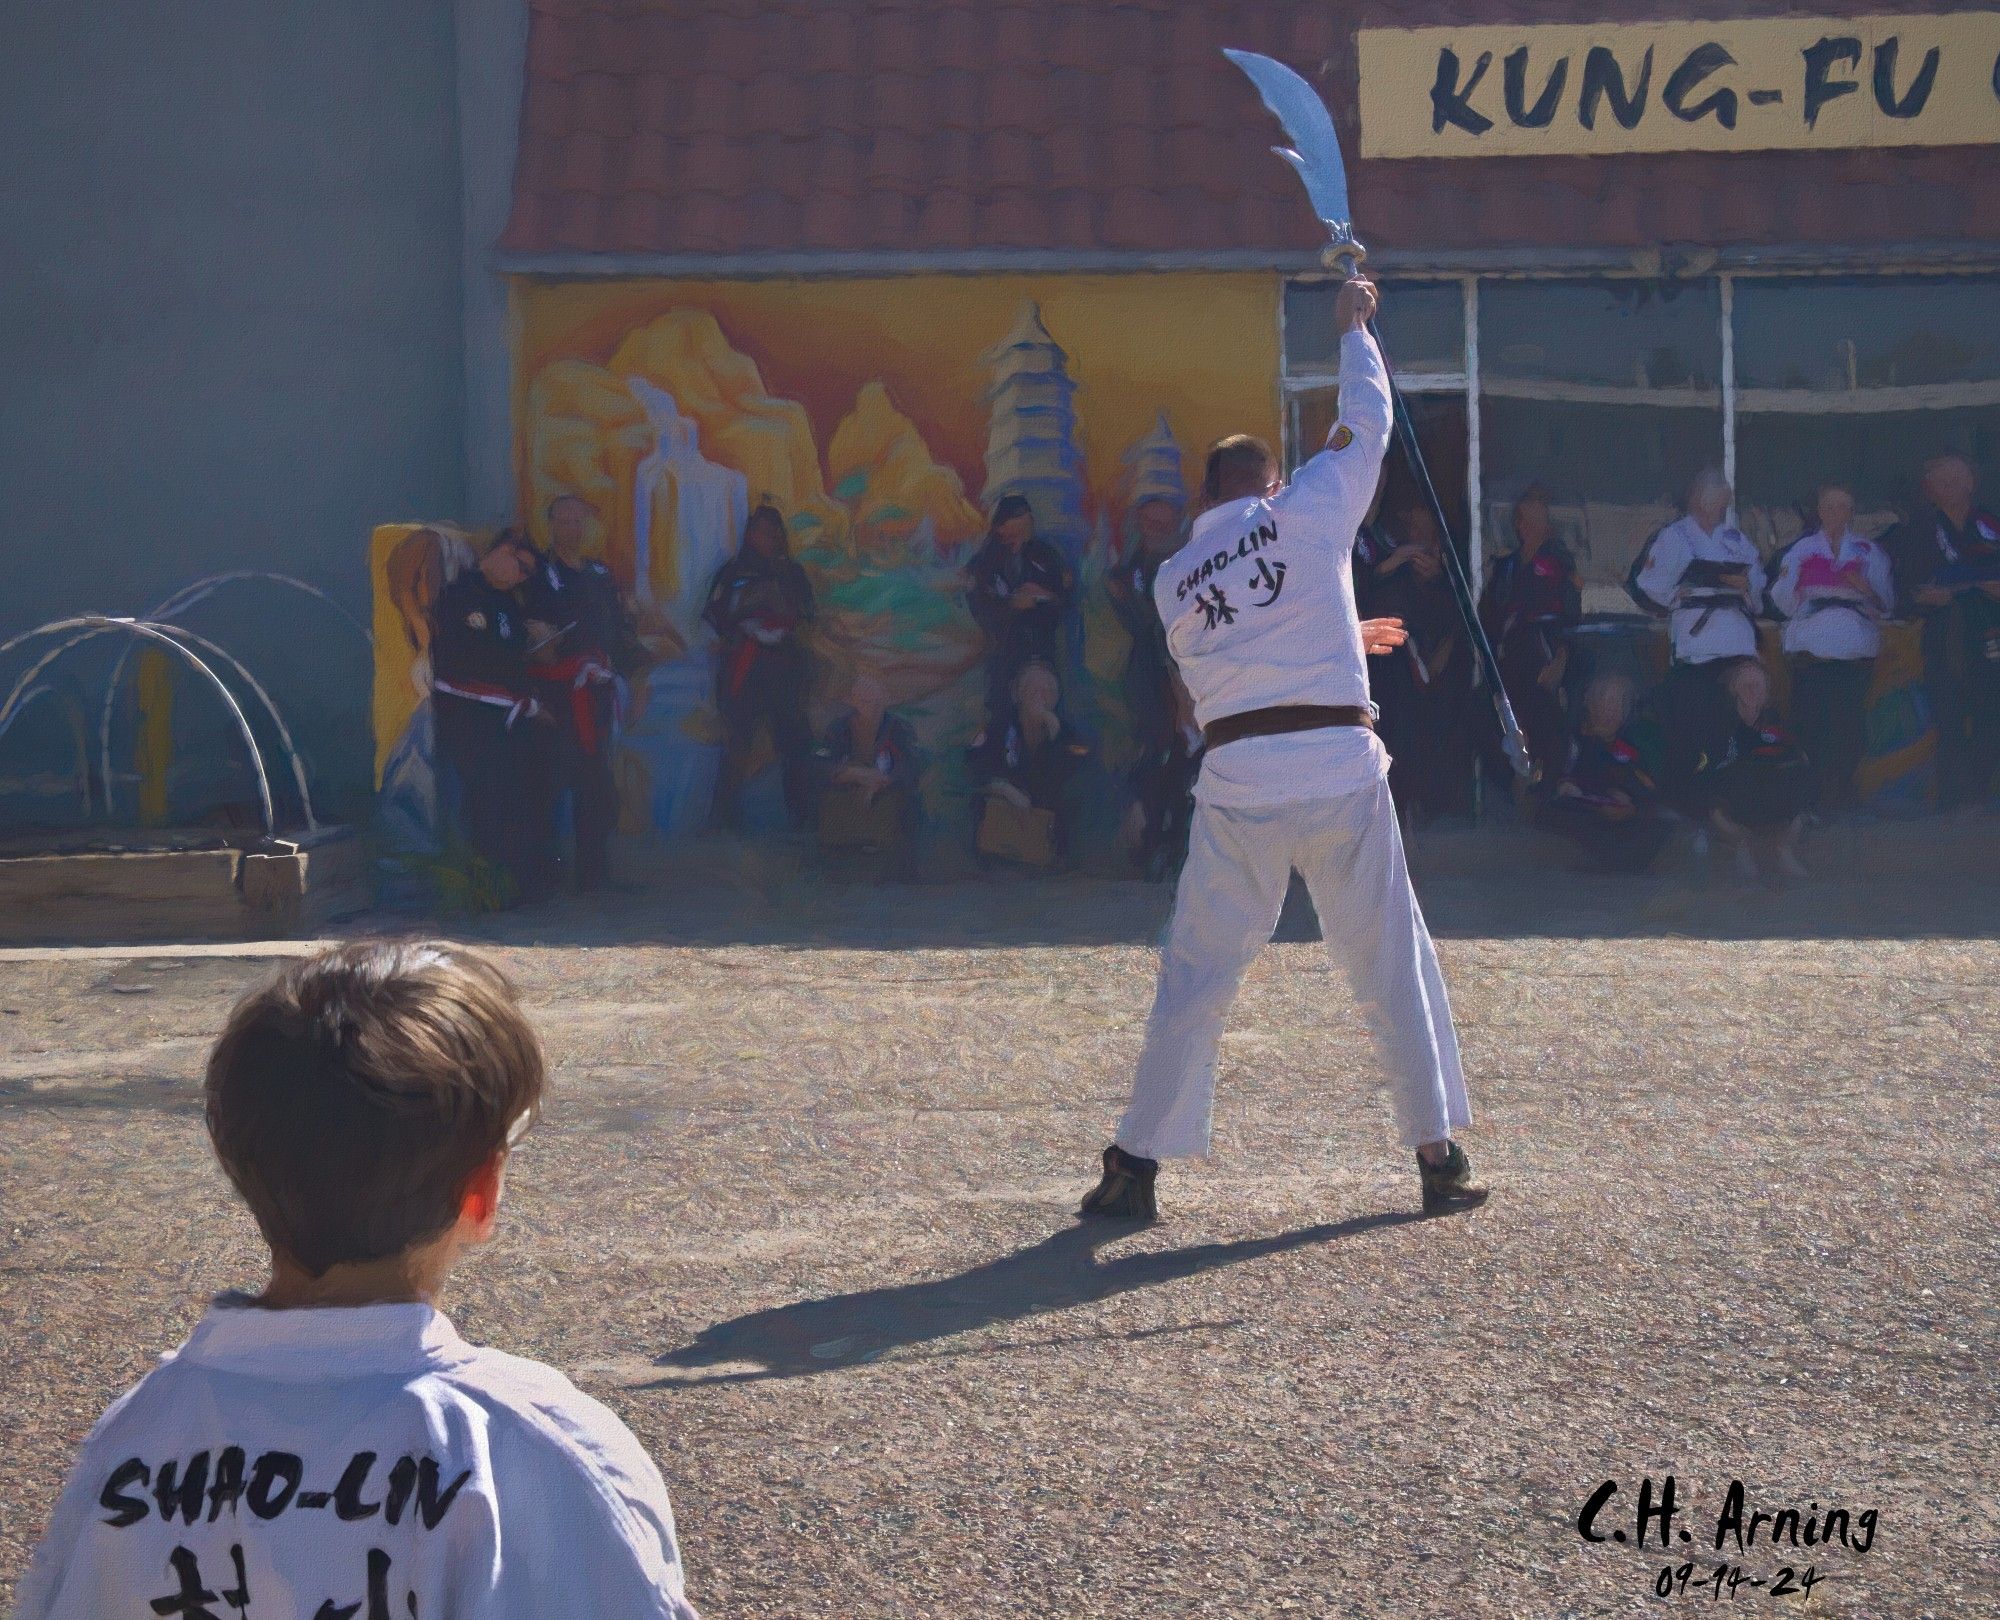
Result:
<point x="320" y="1343"/>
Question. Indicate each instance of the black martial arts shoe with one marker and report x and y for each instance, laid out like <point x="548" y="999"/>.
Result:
<point x="1448" y="1185"/>
<point x="1126" y="1192"/>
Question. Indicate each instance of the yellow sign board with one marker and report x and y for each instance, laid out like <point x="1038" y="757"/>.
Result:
<point x="1754" y="84"/>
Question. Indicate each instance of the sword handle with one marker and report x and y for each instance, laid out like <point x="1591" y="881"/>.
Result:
<point x="1344" y="254"/>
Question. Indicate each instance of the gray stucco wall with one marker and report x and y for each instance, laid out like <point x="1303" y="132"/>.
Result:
<point x="231" y="335"/>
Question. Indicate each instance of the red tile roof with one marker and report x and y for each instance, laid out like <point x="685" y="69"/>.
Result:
<point x="673" y="129"/>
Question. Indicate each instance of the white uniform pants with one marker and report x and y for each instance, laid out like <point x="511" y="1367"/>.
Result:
<point x="1349" y="850"/>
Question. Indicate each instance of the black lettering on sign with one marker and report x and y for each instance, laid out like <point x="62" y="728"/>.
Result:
<point x="1702" y="61"/>
<point x="273" y="1483"/>
<point x="1912" y="101"/>
<point x="1451" y="102"/>
<point x="1602" y="78"/>
<point x="228" y="1486"/>
<point x="125" y="1509"/>
<point x="1514" y="79"/>
<point x="180" y="1493"/>
<point x="1821" y="85"/>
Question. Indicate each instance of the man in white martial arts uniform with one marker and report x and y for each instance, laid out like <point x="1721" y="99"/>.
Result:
<point x="1260" y="617"/>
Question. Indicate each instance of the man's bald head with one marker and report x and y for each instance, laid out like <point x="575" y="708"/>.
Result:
<point x="1239" y="467"/>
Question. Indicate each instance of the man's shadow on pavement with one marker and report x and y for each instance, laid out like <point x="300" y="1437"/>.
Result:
<point x="823" y="1335"/>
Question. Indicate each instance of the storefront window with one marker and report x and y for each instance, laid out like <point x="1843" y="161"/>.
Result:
<point x="1423" y="332"/>
<point x="1861" y="380"/>
<point x="1609" y="393"/>
<point x="1422" y="327"/>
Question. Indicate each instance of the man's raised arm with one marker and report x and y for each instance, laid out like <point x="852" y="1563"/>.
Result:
<point x="1336" y="486"/>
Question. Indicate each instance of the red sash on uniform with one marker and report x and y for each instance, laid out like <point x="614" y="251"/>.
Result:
<point x="580" y="674"/>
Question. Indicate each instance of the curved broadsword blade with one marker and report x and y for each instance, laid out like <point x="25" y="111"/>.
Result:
<point x="1315" y="149"/>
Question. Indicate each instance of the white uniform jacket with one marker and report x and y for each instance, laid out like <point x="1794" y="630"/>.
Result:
<point x="364" y="1463"/>
<point x="1259" y="609"/>
<point x="1833" y="625"/>
<point x="1707" y="623"/>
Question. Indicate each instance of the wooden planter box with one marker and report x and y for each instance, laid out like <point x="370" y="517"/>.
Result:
<point x="108" y="887"/>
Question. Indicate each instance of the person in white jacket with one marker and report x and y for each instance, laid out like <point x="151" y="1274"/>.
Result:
<point x="1834" y="588"/>
<point x="1707" y="575"/>
<point x="329" y="1448"/>
<point x="1260" y="618"/>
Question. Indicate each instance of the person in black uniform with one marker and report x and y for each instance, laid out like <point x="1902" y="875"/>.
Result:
<point x="1607" y="800"/>
<point x="587" y="645"/>
<point x="1019" y="589"/>
<point x="1947" y="563"/>
<point x="759" y="605"/>
<point x="1149" y="668"/>
<point x="492" y="731"/>
<point x="1759" y="787"/>
<point x="1029" y="756"/>
<point x="1162" y="780"/>
<point x="1424" y="689"/>
<point x="870" y="768"/>
<point x="1531" y="604"/>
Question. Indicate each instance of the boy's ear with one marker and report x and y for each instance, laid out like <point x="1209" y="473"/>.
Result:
<point x="479" y="1203"/>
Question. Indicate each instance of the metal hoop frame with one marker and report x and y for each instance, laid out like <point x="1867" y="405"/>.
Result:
<point x="92" y="625"/>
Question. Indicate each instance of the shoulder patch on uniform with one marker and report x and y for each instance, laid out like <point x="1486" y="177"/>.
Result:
<point x="476" y="620"/>
<point x="1343" y="436"/>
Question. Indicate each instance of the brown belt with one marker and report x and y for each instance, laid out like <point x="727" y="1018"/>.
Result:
<point x="1282" y="718"/>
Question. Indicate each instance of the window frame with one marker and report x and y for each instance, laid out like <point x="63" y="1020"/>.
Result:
<point x="1466" y="381"/>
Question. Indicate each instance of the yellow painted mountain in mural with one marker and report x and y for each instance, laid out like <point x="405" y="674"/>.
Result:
<point x="884" y="474"/>
<point x="768" y="440"/>
<point x="586" y="435"/>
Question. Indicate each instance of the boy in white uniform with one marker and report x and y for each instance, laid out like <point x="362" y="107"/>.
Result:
<point x="330" y="1449"/>
<point x="1260" y="616"/>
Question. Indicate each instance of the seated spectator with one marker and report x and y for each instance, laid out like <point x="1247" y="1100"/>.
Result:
<point x="1833" y="587"/>
<point x="1424" y="689"/>
<point x="1022" y="765"/>
<point x="1758" y="788"/>
<point x="1606" y="800"/>
<point x="870" y="765"/>
<point x="1531" y="604"/>
<point x="363" y="1105"/>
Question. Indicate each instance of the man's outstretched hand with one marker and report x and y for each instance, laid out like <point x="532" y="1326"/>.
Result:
<point x="1379" y="636"/>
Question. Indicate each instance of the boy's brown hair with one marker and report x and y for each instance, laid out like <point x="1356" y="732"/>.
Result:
<point x="352" y="1099"/>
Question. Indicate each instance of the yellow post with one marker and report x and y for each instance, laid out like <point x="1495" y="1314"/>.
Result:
<point x="154" y="744"/>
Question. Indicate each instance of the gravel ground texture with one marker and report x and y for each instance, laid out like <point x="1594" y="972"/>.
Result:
<point x="799" y="1210"/>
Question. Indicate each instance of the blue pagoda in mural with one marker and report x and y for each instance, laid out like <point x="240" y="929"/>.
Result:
<point x="1031" y="447"/>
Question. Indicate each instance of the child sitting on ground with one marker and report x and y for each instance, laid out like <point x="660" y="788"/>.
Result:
<point x="1607" y="801"/>
<point x="330" y="1447"/>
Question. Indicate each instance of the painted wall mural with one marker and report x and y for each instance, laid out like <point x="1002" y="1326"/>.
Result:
<point x="884" y="419"/>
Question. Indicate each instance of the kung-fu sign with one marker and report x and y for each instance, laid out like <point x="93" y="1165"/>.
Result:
<point x="1758" y="84"/>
